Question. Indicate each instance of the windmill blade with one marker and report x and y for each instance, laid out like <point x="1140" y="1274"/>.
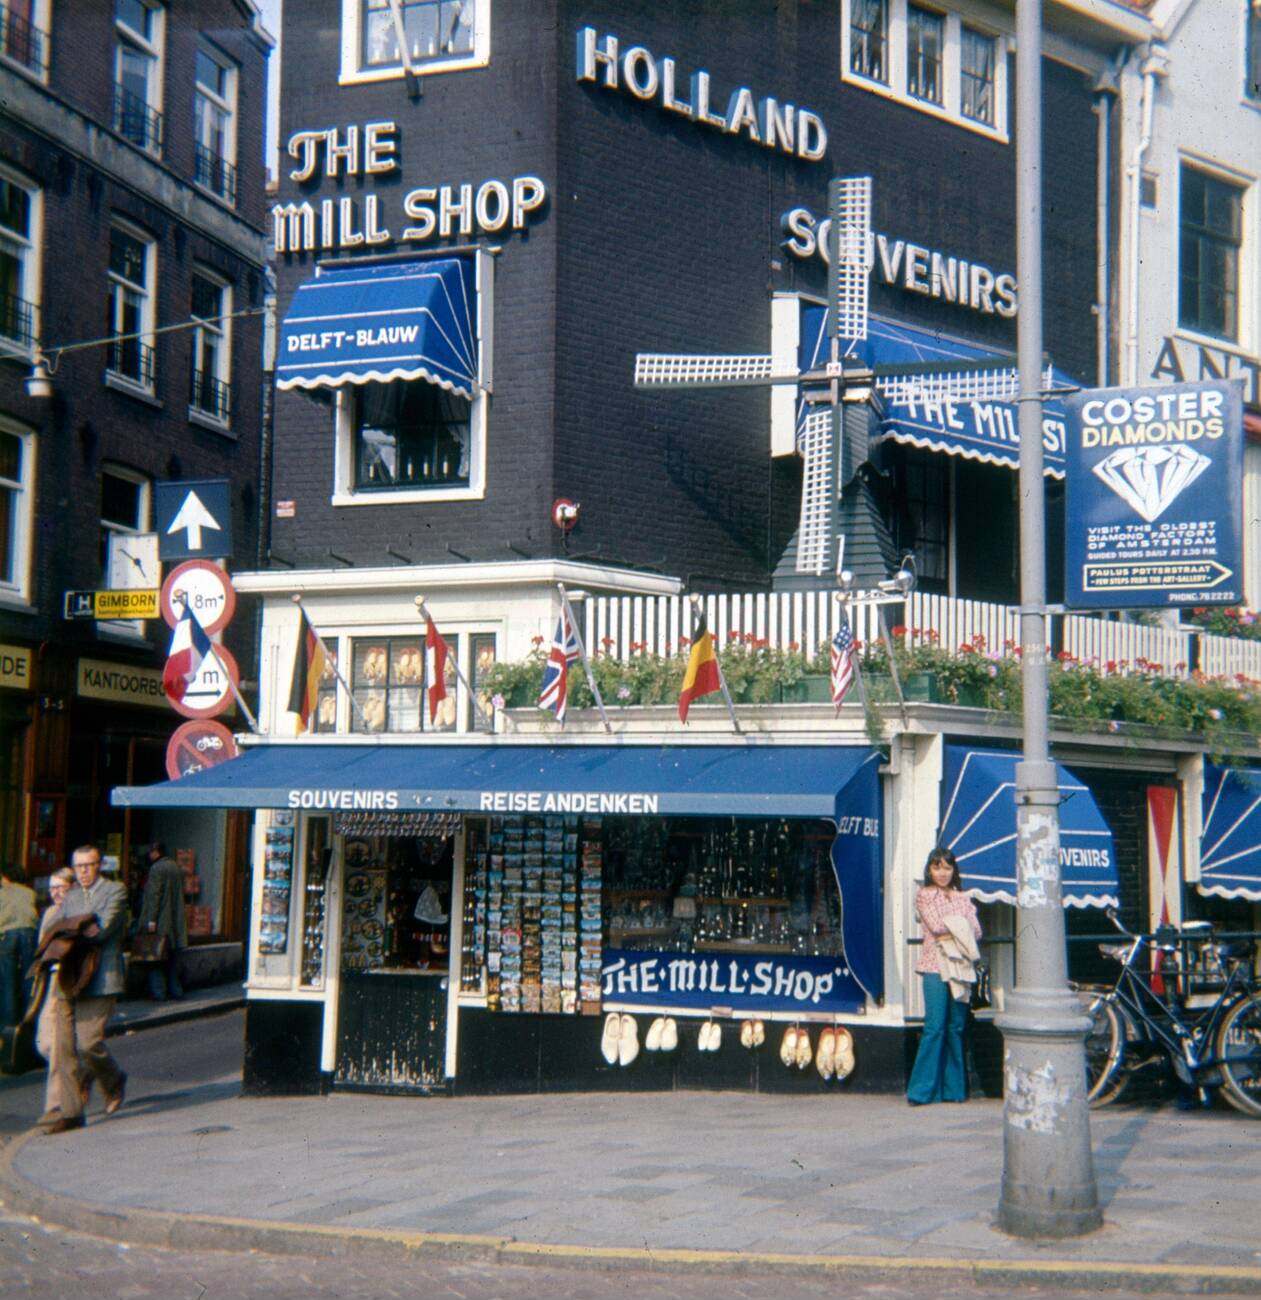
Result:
<point x="816" y="524"/>
<point x="992" y="384"/>
<point x="852" y="250"/>
<point x="673" y="370"/>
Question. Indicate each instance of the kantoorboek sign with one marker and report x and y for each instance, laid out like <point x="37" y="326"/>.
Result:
<point x="1154" y="496"/>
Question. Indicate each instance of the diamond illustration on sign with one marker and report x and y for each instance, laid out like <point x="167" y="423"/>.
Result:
<point x="1150" y="479"/>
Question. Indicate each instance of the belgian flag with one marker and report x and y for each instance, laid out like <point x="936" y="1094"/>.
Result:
<point x="702" y="676"/>
<point x="309" y="662"/>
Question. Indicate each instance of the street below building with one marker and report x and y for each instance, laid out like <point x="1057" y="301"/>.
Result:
<point x="772" y="1176"/>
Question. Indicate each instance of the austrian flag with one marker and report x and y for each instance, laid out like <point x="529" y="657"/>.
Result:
<point x="436" y="652"/>
<point x="189" y="647"/>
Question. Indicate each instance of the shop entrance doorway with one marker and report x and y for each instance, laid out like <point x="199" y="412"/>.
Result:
<point x="395" y="964"/>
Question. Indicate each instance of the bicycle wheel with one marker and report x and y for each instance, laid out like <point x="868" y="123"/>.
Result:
<point x="1105" y="1054"/>
<point x="1238" y="1047"/>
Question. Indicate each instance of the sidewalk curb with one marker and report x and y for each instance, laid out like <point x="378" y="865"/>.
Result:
<point x="174" y="1016"/>
<point x="214" y="1232"/>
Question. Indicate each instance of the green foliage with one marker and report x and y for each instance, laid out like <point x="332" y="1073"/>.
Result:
<point x="1243" y="624"/>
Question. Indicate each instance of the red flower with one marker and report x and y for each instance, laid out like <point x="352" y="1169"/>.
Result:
<point x="793" y="646"/>
<point x="733" y="636"/>
<point x="606" y="641"/>
<point x="536" y="640"/>
<point x="684" y="642"/>
<point x="897" y="630"/>
<point x="1065" y="657"/>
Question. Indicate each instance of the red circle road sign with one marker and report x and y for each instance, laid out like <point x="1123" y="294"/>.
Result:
<point x="211" y="691"/>
<point x="197" y="745"/>
<point x="207" y="588"/>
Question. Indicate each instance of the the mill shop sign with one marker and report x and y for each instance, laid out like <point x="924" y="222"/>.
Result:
<point x="346" y="222"/>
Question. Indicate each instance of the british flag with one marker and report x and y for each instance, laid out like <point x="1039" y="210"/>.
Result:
<point x="842" y="662"/>
<point x="564" y="652"/>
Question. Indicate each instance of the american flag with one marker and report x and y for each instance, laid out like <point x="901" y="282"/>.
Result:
<point x="842" y="662"/>
<point x="555" y="692"/>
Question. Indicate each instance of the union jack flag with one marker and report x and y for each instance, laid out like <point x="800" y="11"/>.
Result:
<point x="842" y="662"/>
<point x="555" y="692"/>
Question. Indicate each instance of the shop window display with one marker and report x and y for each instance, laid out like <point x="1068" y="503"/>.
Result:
<point x="388" y="677"/>
<point x="396" y="917"/>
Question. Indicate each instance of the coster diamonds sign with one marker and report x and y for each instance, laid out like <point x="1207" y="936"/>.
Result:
<point x="1155" y="496"/>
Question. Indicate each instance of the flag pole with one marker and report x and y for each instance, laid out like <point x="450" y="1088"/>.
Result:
<point x="214" y="650"/>
<point x="331" y="659"/>
<point x="582" y="651"/>
<point x="423" y="610"/>
<point x="722" y="677"/>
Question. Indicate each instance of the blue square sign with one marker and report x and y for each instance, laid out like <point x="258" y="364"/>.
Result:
<point x="194" y="519"/>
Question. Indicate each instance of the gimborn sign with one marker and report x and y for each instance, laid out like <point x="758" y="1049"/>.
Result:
<point x="346" y="222"/>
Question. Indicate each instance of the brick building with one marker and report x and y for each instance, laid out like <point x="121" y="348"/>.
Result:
<point x="133" y="202"/>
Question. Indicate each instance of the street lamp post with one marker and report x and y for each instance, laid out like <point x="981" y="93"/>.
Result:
<point x="1048" y="1187"/>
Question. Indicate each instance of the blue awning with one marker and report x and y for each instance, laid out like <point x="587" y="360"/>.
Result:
<point x="984" y="431"/>
<point x="378" y="323"/>
<point x="978" y="825"/>
<point x="1230" y="836"/>
<point x="858" y="861"/>
<point x="675" y="780"/>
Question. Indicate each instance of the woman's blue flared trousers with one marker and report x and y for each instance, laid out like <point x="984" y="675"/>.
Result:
<point x="939" y="1074"/>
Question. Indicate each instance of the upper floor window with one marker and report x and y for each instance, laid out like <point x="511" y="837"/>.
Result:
<point x="214" y="121"/>
<point x="210" y="393"/>
<point x="139" y="29"/>
<point x="977" y="72"/>
<point x="1210" y="228"/>
<point x="17" y="482"/>
<point x="1252" y="75"/>
<point x="124" y="515"/>
<point x="925" y="39"/>
<point x="410" y="434"/>
<point x="929" y="59"/>
<point x="435" y="35"/>
<point x="24" y="34"/>
<point x="130" y="320"/>
<point x="868" y="39"/>
<point x="19" y="255"/>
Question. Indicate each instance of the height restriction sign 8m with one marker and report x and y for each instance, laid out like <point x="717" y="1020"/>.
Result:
<point x="1154" y="496"/>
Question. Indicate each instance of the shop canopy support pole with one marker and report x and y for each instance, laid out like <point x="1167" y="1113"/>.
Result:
<point x="1048" y="1184"/>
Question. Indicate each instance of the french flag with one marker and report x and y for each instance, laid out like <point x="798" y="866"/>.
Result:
<point x="189" y="646"/>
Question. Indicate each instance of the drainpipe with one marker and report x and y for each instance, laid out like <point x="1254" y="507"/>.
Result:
<point x="1155" y="65"/>
<point x="1105" y="91"/>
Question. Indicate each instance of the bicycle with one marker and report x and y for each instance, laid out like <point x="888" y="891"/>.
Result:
<point x="1218" y="1046"/>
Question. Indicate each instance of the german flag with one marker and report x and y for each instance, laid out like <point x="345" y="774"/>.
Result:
<point x="702" y="676"/>
<point x="309" y="661"/>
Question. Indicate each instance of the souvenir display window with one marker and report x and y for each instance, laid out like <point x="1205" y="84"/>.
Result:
<point x="314" y="901"/>
<point x="396" y="914"/>
<point x="388" y="681"/>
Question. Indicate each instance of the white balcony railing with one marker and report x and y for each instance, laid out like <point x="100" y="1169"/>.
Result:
<point x="621" y="625"/>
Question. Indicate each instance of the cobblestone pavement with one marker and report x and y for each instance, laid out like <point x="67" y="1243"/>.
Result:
<point x="38" y="1263"/>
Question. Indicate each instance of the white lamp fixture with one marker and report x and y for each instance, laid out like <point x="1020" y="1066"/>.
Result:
<point x="39" y="383"/>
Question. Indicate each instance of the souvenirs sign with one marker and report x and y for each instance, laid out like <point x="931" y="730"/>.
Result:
<point x="1154" y="497"/>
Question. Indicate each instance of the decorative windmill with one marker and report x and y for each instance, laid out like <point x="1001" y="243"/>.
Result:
<point x="841" y="379"/>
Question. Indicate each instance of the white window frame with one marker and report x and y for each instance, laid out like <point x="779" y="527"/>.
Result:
<point x="344" y="491"/>
<point x="354" y="73"/>
<point x="17" y="590"/>
<point x="226" y="104"/>
<point x="223" y="329"/>
<point x="1248" y="292"/>
<point x="155" y="47"/>
<point x="41" y="20"/>
<point x="951" y="108"/>
<point x="32" y="258"/>
<point x="147" y="308"/>
<point x="125" y="629"/>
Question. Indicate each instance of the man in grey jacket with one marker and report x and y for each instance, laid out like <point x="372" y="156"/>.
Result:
<point x="79" y="1053"/>
<point x="162" y="913"/>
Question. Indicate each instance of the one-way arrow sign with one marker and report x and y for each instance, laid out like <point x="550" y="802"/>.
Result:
<point x="194" y="519"/>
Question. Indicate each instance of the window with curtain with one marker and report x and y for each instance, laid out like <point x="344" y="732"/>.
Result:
<point x="410" y="434"/>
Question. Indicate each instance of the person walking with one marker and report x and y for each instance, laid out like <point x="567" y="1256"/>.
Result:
<point x="19" y="925"/>
<point x="940" y="904"/>
<point x="59" y="884"/>
<point x="78" y="1023"/>
<point x="162" y="913"/>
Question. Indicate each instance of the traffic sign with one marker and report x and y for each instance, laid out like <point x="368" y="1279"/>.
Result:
<point x="213" y="689"/>
<point x="194" y="519"/>
<point x="105" y="605"/>
<point x="197" y="745"/>
<point x="207" y="590"/>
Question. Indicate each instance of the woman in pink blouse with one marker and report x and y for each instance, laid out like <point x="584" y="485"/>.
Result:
<point x="938" y="1074"/>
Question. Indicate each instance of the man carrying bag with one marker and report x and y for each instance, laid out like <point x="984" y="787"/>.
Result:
<point x="162" y="929"/>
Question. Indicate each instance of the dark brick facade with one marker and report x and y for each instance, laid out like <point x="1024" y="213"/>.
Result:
<point x="659" y="235"/>
<point x="59" y="136"/>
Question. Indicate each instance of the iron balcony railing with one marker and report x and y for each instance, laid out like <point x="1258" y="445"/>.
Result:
<point x="211" y="396"/>
<point x="134" y="120"/>
<point x="214" y="173"/>
<point x="131" y="359"/>
<point x="18" y="322"/>
<point x="22" y="41"/>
